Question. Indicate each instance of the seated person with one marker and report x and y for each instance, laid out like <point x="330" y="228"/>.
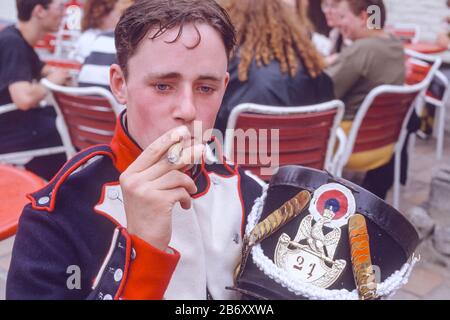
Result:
<point x="30" y="127"/>
<point x="275" y="63"/>
<point x="145" y="225"/>
<point x="102" y="54"/>
<point x="375" y="58"/>
<point x="95" y="69"/>
<point x="99" y="16"/>
<point x="337" y="43"/>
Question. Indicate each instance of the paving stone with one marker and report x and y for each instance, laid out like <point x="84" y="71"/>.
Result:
<point x="433" y="260"/>
<point x="2" y="285"/>
<point x="440" y="293"/>
<point x="419" y="198"/>
<point x="420" y="218"/>
<point x="6" y="246"/>
<point x="423" y="281"/>
<point x="439" y="197"/>
<point x="404" y="295"/>
<point x="5" y="261"/>
<point x="441" y="240"/>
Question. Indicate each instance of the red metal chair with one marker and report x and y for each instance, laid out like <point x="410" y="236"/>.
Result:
<point x="85" y="116"/>
<point x="306" y="136"/>
<point x="380" y="121"/>
<point x="15" y="184"/>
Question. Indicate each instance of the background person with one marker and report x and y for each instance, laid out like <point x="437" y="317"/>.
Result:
<point x="275" y="62"/>
<point x="29" y="127"/>
<point x="99" y="16"/>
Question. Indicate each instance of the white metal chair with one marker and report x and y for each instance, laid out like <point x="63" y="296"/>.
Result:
<point x="440" y="104"/>
<point x="307" y="134"/>
<point x="22" y="157"/>
<point x="85" y="116"/>
<point x="380" y="121"/>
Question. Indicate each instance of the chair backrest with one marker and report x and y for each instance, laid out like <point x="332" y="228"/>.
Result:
<point x="306" y="135"/>
<point x="416" y="70"/>
<point x="420" y="67"/>
<point x="86" y="116"/>
<point x="381" y="119"/>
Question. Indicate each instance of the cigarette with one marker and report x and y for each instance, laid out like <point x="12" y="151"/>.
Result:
<point x="174" y="153"/>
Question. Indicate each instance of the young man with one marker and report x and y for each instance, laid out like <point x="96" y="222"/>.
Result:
<point x="122" y="221"/>
<point x="30" y="127"/>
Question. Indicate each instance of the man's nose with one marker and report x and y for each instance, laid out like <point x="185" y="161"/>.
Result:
<point x="185" y="109"/>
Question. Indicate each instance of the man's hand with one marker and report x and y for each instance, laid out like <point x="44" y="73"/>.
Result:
<point x="59" y="76"/>
<point x="151" y="187"/>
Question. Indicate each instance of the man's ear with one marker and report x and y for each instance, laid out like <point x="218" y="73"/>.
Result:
<point x="118" y="84"/>
<point x="227" y="80"/>
<point x="39" y="11"/>
<point x="364" y="16"/>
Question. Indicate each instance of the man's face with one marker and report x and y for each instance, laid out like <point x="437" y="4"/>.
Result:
<point x="173" y="84"/>
<point x="52" y="16"/>
<point x="350" y="25"/>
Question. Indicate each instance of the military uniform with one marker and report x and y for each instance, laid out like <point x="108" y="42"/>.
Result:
<point x="78" y="222"/>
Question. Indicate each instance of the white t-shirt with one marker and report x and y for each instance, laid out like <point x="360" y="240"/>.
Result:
<point x="84" y="43"/>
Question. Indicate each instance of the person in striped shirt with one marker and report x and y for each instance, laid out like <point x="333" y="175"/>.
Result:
<point x="95" y="69"/>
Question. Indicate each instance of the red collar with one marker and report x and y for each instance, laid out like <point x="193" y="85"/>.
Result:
<point x="125" y="149"/>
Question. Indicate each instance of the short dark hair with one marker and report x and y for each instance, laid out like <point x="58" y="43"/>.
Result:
<point x="25" y="7"/>
<point x="358" y="6"/>
<point x="145" y="15"/>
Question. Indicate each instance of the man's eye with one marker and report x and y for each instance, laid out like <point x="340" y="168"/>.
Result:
<point x="206" y="89"/>
<point x="162" y="87"/>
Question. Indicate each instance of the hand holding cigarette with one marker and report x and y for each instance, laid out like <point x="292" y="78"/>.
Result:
<point x="154" y="183"/>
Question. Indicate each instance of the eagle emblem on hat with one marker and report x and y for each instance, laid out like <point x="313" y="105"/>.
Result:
<point x="309" y="257"/>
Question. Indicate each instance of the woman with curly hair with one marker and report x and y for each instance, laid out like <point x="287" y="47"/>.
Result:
<point x="276" y="62"/>
<point x="99" y="16"/>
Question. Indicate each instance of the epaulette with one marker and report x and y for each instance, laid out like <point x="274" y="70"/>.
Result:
<point x="44" y="199"/>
